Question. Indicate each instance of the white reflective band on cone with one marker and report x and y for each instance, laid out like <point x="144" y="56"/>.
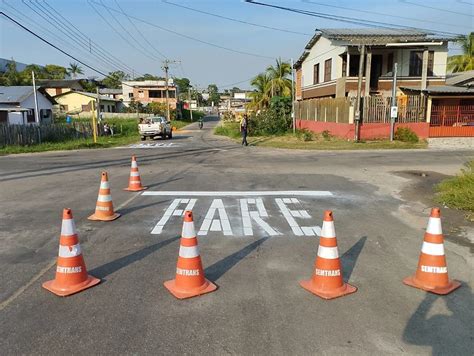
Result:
<point x="104" y="185"/>
<point x="134" y="174"/>
<point x="69" y="251"/>
<point x="102" y="208"/>
<point x="434" y="226"/>
<point x="188" y="252"/>
<point x="68" y="227"/>
<point x="328" y="229"/>
<point x="434" y="269"/>
<point x="134" y="164"/>
<point x="433" y="249"/>
<point x="328" y="252"/>
<point x="188" y="230"/>
<point x="104" y="198"/>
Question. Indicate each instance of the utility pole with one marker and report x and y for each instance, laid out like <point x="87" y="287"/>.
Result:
<point x="394" y="108"/>
<point x="190" y="107"/>
<point x="166" y="67"/>
<point x="36" y="98"/>
<point x="359" y="90"/>
<point x="293" y="96"/>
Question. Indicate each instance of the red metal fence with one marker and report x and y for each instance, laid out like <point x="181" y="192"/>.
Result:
<point x="452" y="120"/>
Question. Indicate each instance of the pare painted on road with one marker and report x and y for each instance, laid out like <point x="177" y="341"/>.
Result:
<point x="243" y="213"/>
<point x="155" y="145"/>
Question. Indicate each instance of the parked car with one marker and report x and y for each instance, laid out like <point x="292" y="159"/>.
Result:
<point x="155" y="126"/>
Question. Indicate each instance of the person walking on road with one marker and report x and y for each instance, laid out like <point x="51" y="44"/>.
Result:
<point x="244" y="129"/>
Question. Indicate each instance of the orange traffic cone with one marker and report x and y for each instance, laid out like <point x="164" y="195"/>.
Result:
<point x="104" y="209"/>
<point x="190" y="280"/>
<point x="327" y="279"/>
<point x="134" y="182"/>
<point x="71" y="273"/>
<point x="432" y="272"/>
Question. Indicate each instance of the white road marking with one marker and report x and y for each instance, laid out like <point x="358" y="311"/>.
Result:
<point x="171" y="211"/>
<point x="291" y="214"/>
<point x="155" y="145"/>
<point x="220" y="224"/>
<point x="308" y="193"/>
<point x="247" y="217"/>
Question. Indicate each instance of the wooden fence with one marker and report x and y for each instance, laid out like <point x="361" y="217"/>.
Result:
<point x="34" y="134"/>
<point x="374" y="109"/>
<point x="324" y="110"/>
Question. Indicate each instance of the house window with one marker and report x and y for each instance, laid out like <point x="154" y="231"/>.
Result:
<point x="416" y="63"/>
<point x="30" y="117"/>
<point x="430" y="63"/>
<point x="102" y="108"/>
<point x="327" y="70"/>
<point x="130" y="95"/>
<point x="63" y="107"/>
<point x="390" y="63"/>
<point x="155" y="94"/>
<point x="86" y="107"/>
<point x="354" y="65"/>
<point x="172" y="93"/>
<point x="316" y="74"/>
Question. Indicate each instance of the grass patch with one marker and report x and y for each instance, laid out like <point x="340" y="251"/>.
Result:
<point x="306" y="140"/>
<point x="230" y="129"/>
<point x="458" y="192"/>
<point x="87" y="143"/>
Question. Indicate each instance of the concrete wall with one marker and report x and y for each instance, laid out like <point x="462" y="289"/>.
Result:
<point x="367" y="131"/>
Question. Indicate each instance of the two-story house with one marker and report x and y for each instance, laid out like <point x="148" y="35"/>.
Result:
<point x="329" y="65"/>
<point x="149" y="91"/>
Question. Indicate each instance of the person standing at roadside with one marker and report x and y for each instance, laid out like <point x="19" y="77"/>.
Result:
<point x="244" y="123"/>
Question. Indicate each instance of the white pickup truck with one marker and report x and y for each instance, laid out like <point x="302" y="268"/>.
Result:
<point x="155" y="126"/>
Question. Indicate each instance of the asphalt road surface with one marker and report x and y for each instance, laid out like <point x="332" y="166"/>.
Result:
<point x="259" y="307"/>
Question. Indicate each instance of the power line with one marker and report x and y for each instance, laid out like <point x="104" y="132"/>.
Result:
<point x="32" y="22"/>
<point x="434" y="8"/>
<point x="187" y="36"/>
<point x="139" y="32"/>
<point x="377" y="13"/>
<point x="56" y="47"/>
<point x="97" y="47"/>
<point x="236" y="20"/>
<point x="352" y="20"/>
<point x="115" y="30"/>
<point x="46" y="16"/>
<point x="232" y="84"/>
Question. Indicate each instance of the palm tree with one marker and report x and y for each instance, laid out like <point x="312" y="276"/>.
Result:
<point x="74" y="69"/>
<point x="280" y="83"/>
<point x="465" y="61"/>
<point x="261" y="95"/>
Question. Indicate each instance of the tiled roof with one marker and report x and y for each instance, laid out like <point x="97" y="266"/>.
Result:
<point x="15" y="94"/>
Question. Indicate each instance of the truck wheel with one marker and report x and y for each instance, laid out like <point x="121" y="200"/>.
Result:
<point x="143" y="138"/>
<point x="170" y="136"/>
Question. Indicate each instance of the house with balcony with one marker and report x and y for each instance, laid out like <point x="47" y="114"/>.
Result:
<point x="149" y="91"/>
<point x="329" y="65"/>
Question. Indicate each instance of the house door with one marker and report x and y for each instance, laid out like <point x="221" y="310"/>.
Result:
<point x="375" y="70"/>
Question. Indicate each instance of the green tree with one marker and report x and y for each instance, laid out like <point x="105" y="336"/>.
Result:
<point x="53" y="71"/>
<point x="463" y="62"/>
<point x="280" y="83"/>
<point x="11" y="75"/>
<point x="214" y="96"/>
<point x="183" y="84"/>
<point x="261" y="95"/>
<point x="235" y="90"/>
<point x="114" y="79"/>
<point x="74" y="69"/>
<point x="27" y="77"/>
<point x="148" y="76"/>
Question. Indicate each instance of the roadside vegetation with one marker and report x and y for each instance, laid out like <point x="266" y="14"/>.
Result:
<point x="125" y="132"/>
<point x="307" y="140"/>
<point x="458" y="192"/>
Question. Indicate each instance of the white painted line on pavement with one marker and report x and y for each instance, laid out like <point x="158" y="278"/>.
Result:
<point x="308" y="193"/>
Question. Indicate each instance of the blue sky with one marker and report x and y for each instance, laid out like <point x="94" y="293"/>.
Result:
<point x="202" y="63"/>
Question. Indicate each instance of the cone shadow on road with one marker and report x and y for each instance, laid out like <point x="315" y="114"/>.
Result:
<point x="446" y="333"/>
<point x="113" y="266"/>
<point x="218" y="269"/>
<point x="349" y="258"/>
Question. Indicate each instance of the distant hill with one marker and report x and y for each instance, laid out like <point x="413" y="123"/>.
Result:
<point x="3" y="65"/>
